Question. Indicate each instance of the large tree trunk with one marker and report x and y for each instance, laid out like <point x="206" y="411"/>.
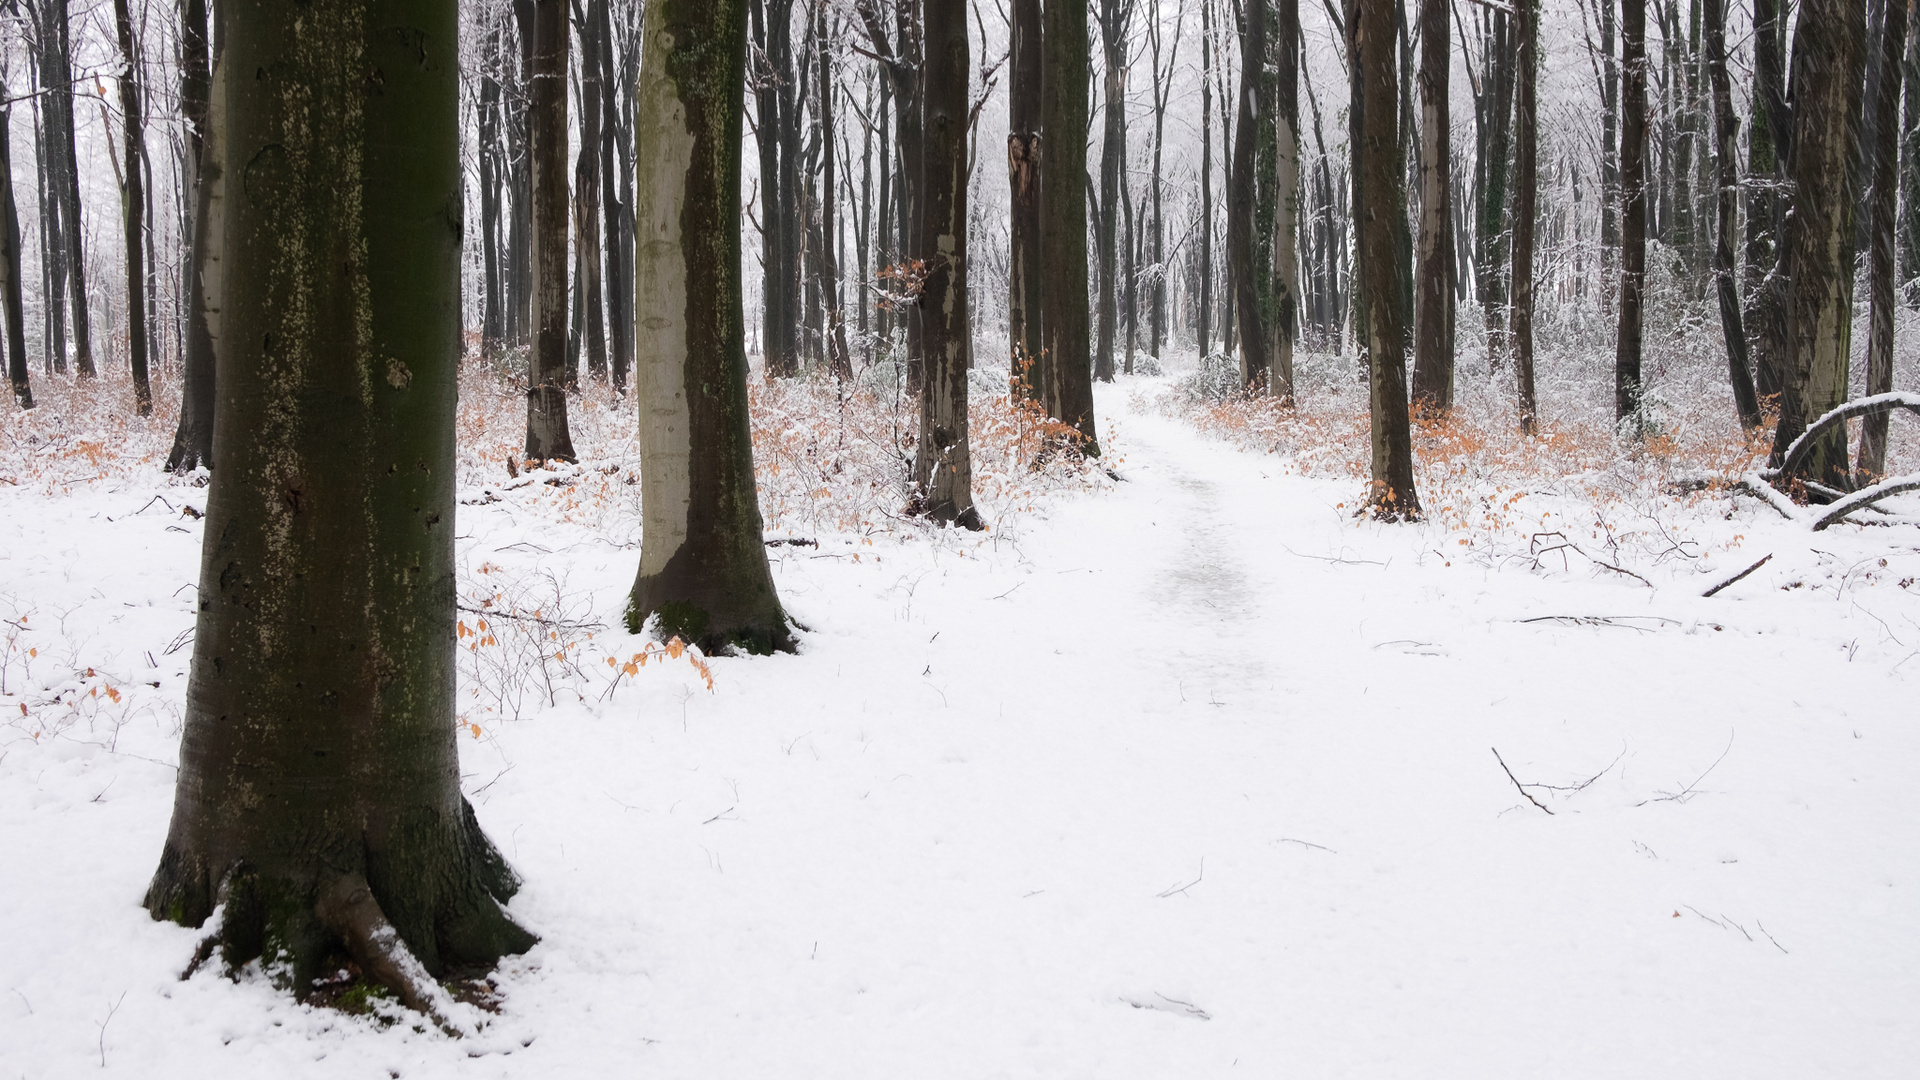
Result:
<point x="547" y="435"/>
<point x="319" y="746"/>
<point x="615" y="146"/>
<point x="1526" y="149"/>
<point x="1433" y="310"/>
<point x="1828" y="48"/>
<point x="1382" y="202"/>
<point x="132" y="206"/>
<point x="1024" y="269"/>
<point x="1880" y="288"/>
<point x="703" y="564"/>
<point x="943" y="461"/>
<point x="1063" y="225"/>
<point x="15" y="310"/>
<point x="1633" y="204"/>
<point x="1255" y="364"/>
<point x="586" y="194"/>
<point x="1726" y="129"/>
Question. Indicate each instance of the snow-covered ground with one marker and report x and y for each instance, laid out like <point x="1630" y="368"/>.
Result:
<point x="1188" y="774"/>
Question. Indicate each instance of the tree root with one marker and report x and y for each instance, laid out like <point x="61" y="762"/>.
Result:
<point x="347" y="908"/>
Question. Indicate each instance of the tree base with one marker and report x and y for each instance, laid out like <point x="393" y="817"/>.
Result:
<point x="299" y="916"/>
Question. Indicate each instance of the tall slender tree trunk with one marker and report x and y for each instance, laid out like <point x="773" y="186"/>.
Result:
<point x="839" y="360"/>
<point x="1114" y="17"/>
<point x="1771" y="149"/>
<point x="132" y="205"/>
<point x="1828" y="48"/>
<point x="773" y="255"/>
<point x="493" y="311"/>
<point x="1909" y="241"/>
<point x="52" y="231"/>
<point x="1880" y="287"/>
<point x="1491" y="216"/>
<point x="520" y="180"/>
<point x="67" y="184"/>
<point x="1627" y="387"/>
<point x="1255" y="363"/>
<point x="943" y="461"/>
<point x="1433" y="311"/>
<point x="1285" y="50"/>
<point x="1203" y="314"/>
<point x="613" y="200"/>
<point x="899" y="55"/>
<point x="547" y="435"/>
<point x="1726" y="128"/>
<point x="193" y="440"/>
<point x="1609" y="157"/>
<point x="15" y="310"/>
<point x="1526" y="150"/>
<point x="1063" y="224"/>
<point x="318" y="794"/>
<point x="586" y="194"/>
<point x="1382" y="201"/>
<point x="703" y="565"/>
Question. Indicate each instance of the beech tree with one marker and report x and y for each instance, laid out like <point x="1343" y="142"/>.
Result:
<point x="1726" y="128"/>
<point x="132" y="209"/>
<point x="1380" y="208"/>
<point x="1254" y="361"/>
<point x="10" y="293"/>
<point x="1828" y="67"/>
<point x="1068" y="381"/>
<point x="193" y="439"/>
<point x="1434" y="273"/>
<point x="1526" y="150"/>
<point x="1633" y="216"/>
<point x="1024" y="269"/>
<point x="1885" y="187"/>
<point x="703" y="564"/>
<point x="547" y="435"/>
<point x="318" y="795"/>
<point x="943" y="460"/>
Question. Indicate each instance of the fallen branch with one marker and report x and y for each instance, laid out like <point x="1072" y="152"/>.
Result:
<point x="1517" y="785"/>
<point x="1182" y="889"/>
<point x="1867" y="406"/>
<point x="1736" y="578"/>
<point x="1865" y="498"/>
<point x="562" y="624"/>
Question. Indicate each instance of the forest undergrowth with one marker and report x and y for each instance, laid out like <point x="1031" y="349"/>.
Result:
<point x="1582" y="494"/>
<point x="832" y="463"/>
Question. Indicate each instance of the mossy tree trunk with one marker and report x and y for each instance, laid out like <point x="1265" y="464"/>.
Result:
<point x="319" y="756"/>
<point x="1382" y="206"/>
<point x="943" y="461"/>
<point x="703" y="562"/>
<point x="193" y="439"/>
<point x="1433" y="298"/>
<point x="548" y="437"/>
<point x="1828" y="66"/>
<point x="1064" y="317"/>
